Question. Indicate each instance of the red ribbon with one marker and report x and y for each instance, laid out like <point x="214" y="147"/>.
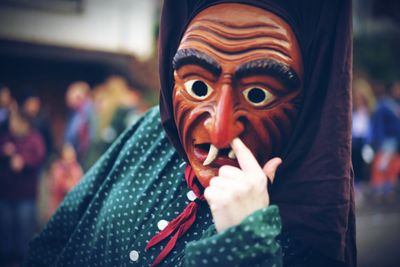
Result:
<point x="181" y="224"/>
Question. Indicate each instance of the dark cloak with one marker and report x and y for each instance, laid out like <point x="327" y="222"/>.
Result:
<point x="314" y="185"/>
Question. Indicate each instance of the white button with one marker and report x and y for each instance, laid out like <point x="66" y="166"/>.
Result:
<point x="191" y="196"/>
<point x="162" y="224"/>
<point x="134" y="255"/>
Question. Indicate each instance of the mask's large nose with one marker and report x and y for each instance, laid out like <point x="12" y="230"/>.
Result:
<point x="222" y="126"/>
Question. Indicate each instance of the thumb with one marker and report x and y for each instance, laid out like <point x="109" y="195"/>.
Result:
<point x="270" y="168"/>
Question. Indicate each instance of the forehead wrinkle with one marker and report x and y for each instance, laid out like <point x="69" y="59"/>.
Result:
<point x="235" y="36"/>
<point x="232" y="25"/>
<point x="227" y="41"/>
<point x="235" y="51"/>
<point x="230" y="47"/>
<point x="240" y="33"/>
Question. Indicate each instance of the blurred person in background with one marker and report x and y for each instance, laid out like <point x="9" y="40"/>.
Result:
<point x="7" y="103"/>
<point x="64" y="173"/>
<point x="130" y="105"/>
<point x="386" y="140"/>
<point x="81" y="126"/>
<point x="363" y="107"/>
<point x="32" y="106"/>
<point x="22" y="152"/>
<point x="117" y="107"/>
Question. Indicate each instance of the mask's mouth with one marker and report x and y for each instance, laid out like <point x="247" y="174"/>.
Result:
<point x="209" y="153"/>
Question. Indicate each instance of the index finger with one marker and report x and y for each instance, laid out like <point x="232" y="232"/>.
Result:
<point x="246" y="159"/>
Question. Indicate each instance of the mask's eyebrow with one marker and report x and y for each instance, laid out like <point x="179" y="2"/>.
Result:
<point x="188" y="56"/>
<point x="267" y="66"/>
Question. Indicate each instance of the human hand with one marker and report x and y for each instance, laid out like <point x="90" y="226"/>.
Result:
<point x="17" y="163"/>
<point x="237" y="192"/>
<point x="9" y="149"/>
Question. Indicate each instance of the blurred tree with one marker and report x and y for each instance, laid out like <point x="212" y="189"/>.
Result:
<point x="387" y="8"/>
<point x="378" y="56"/>
<point x="377" y="39"/>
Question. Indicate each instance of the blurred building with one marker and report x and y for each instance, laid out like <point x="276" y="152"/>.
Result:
<point x="376" y="29"/>
<point x="47" y="44"/>
<point x="376" y="17"/>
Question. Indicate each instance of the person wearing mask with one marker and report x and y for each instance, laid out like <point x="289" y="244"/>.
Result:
<point x="80" y="129"/>
<point x="246" y="86"/>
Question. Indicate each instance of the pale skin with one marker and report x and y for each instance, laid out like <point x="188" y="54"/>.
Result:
<point x="238" y="192"/>
<point x="16" y="162"/>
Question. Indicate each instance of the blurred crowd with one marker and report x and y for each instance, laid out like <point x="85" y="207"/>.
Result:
<point x="35" y="171"/>
<point x="376" y="139"/>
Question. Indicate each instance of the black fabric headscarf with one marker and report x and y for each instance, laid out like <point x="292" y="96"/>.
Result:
<point x="314" y="185"/>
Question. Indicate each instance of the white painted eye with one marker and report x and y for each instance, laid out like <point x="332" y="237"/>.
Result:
<point x="198" y="89"/>
<point x="258" y="96"/>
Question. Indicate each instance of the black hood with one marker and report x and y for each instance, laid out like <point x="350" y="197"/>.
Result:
<point x="314" y="185"/>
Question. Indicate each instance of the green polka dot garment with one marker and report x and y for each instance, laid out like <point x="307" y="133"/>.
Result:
<point x="131" y="194"/>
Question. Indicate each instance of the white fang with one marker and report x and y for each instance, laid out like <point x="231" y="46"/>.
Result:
<point x="212" y="155"/>
<point x="231" y="154"/>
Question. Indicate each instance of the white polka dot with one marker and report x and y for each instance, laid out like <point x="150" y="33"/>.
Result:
<point x="191" y="196"/>
<point x="134" y="255"/>
<point x="162" y="224"/>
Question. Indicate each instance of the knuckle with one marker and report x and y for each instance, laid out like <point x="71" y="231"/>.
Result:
<point x="222" y="170"/>
<point x="207" y="193"/>
<point x="260" y="179"/>
<point x="212" y="182"/>
<point x="252" y="183"/>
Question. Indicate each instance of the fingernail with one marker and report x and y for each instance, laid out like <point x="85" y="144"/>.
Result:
<point x="236" y="140"/>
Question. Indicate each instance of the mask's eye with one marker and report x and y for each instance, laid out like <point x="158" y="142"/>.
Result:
<point x="198" y="89"/>
<point x="258" y="96"/>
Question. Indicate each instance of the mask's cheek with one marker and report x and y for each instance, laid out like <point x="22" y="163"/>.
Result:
<point x="182" y="108"/>
<point x="268" y="131"/>
<point x="258" y="139"/>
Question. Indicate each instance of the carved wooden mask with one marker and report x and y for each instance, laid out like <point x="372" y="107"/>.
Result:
<point x="238" y="73"/>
